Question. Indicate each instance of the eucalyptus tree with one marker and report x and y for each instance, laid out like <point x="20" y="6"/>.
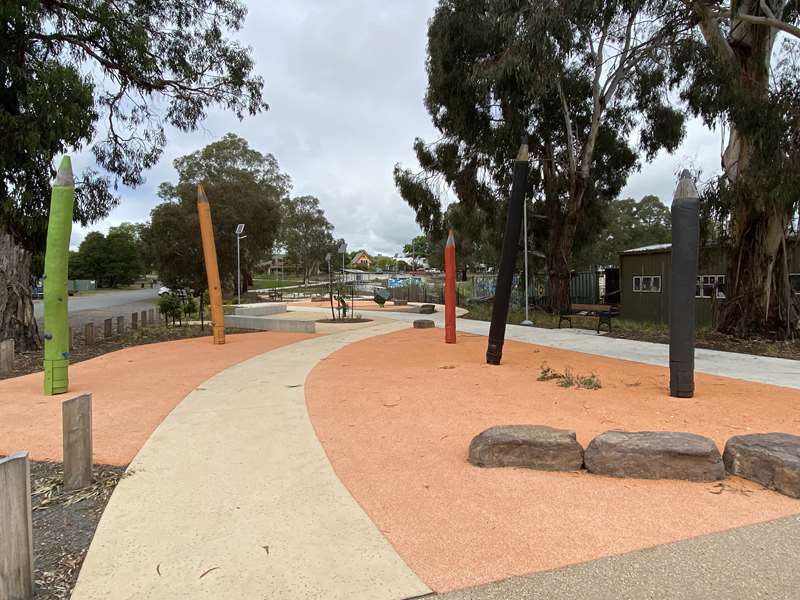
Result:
<point x="109" y="76"/>
<point x="306" y="234"/>
<point x="739" y="67"/>
<point x="578" y="78"/>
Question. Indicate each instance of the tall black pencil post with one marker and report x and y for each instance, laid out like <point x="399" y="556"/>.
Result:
<point x="683" y="282"/>
<point x="508" y="257"/>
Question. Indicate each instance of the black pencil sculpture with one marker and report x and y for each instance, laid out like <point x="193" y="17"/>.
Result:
<point x="508" y="256"/>
<point x="685" y="248"/>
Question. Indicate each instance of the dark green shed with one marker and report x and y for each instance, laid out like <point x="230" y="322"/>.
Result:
<point x="645" y="282"/>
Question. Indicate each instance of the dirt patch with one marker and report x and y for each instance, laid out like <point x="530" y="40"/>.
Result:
<point x="31" y="362"/>
<point x="64" y="524"/>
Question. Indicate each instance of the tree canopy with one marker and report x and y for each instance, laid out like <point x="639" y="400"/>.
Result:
<point x="110" y="76"/>
<point x="243" y="186"/>
<point x="306" y="234"/>
<point x="575" y="79"/>
<point x="111" y="260"/>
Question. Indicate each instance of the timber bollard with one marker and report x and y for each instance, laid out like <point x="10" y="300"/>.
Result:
<point x="88" y="334"/>
<point x="134" y="320"/>
<point x="16" y="528"/>
<point x="108" y="328"/>
<point x="76" y="419"/>
<point x="144" y="318"/>
<point x="6" y="357"/>
<point x="151" y="316"/>
<point x="120" y="325"/>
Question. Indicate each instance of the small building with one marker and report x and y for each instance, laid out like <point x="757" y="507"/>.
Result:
<point x="645" y="282"/>
<point x="361" y="259"/>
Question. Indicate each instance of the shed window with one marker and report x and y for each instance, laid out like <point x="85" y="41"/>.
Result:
<point x="710" y="286"/>
<point x="794" y="281"/>
<point x="647" y="283"/>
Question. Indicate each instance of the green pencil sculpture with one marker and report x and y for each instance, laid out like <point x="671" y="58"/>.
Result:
<point x="56" y="261"/>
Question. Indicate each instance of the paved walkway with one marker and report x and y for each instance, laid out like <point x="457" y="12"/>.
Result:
<point x="760" y="369"/>
<point x="757" y="561"/>
<point x="233" y="497"/>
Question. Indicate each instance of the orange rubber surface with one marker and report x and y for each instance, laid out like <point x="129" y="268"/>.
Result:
<point x="396" y="414"/>
<point x="132" y="391"/>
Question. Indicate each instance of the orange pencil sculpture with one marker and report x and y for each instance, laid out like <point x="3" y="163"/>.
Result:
<point x="212" y="269"/>
<point x="450" y="290"/>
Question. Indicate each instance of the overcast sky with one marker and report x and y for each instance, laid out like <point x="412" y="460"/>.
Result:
<point x="345" y="83"/>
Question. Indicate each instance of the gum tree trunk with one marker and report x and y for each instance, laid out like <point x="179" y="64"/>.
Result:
<point x="16" y="298"/>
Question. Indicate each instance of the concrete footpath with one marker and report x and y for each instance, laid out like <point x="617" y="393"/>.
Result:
<point x="756" y="561"/>
<point x="234" y="497"/>
<point x="760" y="369"/>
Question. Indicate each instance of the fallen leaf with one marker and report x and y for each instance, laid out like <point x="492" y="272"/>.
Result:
<point x="207" y="572"/>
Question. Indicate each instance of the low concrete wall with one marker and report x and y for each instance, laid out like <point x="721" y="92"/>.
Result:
<point x="259" y="310"/>
<point x="260" y="323"/>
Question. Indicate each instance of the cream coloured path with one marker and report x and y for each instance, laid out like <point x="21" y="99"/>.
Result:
<point x="234" y="497"/>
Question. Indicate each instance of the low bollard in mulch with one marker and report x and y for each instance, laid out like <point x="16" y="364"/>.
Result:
<point x="144" y="318"/>
<point x="6" y="357"/>
<point x="151" y="316"/>
<point x="134" y="320"/>
<point x="108" y="328"/>
<point x="120" y="325"/>
<point x="76" y="419"/>
<point x="88" y="334"/>
<point x="16" y="526"/>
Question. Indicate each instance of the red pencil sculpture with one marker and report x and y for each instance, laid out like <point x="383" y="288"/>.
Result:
<point x="450" y="290"/>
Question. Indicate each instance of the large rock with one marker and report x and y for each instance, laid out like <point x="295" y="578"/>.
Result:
<point x="771" y="459"/>
<point x="529" y="446"/>
<point x="427" y="309"/>
<point x="654" y="455"/>
<point x="424" y="324"/>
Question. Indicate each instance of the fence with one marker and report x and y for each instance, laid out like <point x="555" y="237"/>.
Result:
<point x="584" y="288"/>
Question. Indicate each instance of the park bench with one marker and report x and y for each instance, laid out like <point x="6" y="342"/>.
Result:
<point x="603" y="312"/>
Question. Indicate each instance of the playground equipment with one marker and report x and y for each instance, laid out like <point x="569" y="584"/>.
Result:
<point x="56" y="262"/>
<point x="508" y="257"/>
<point x="685" y="249"/>
<point x="450" y="290"/>
<point x="212" y="269"/>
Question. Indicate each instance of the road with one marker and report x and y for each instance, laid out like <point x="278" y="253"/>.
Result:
<point x="98" y="306"/>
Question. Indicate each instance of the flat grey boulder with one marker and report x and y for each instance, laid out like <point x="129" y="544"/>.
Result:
<point x="427" y="309"/>
<point x="654" y="455"/>
<point x="771" y="459"/>
<point x="528" y="446"/>
<point x="400" y="302"/>
<point x="423" y="324"/>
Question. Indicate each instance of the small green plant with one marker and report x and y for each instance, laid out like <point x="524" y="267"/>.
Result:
<point x="589" y="382"/>
<point x="568" y="379"/>
<point x="548" y="374"/>
<point x="189" y="307"/>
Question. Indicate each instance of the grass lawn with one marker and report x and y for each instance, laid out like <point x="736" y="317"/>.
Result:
<point x="264" y="283"/>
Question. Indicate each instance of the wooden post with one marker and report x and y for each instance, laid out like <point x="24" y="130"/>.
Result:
<point x="16" y="528"/>
<point x="144" y="318"/>
<point x="76" y="415"/>
<point x="151" y="316"/>
<point x="134" y="320"/>
<point x="6" y="357"/>
<point x="120" y="325"/>
<point x="450" y="290"/>
<point x="88" y="334"/>
<point x="107" y="329"/>
<point x="212" y="268"/>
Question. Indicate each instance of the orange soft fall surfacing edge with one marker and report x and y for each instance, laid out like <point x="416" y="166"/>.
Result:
<point x="132" y="391"/>
<point x="396" y="414"/>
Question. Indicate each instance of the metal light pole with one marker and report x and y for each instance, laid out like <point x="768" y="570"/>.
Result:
<point x="239" y="236"/>
<point x="527" y="320"/>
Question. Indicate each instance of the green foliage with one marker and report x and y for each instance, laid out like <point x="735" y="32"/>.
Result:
<point x="111" y="260"/>
<point x="418" y="248"/>
<point x="629" y="224"/>
<point x="498" y="70"/>
<point x="569" y="379"/>
<point x="306" y="234"/>
<point x="169" y="306"/>
<point x="243" y="186"/>
<point x="114" y="75"/>
<point x="189" y="307"/>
